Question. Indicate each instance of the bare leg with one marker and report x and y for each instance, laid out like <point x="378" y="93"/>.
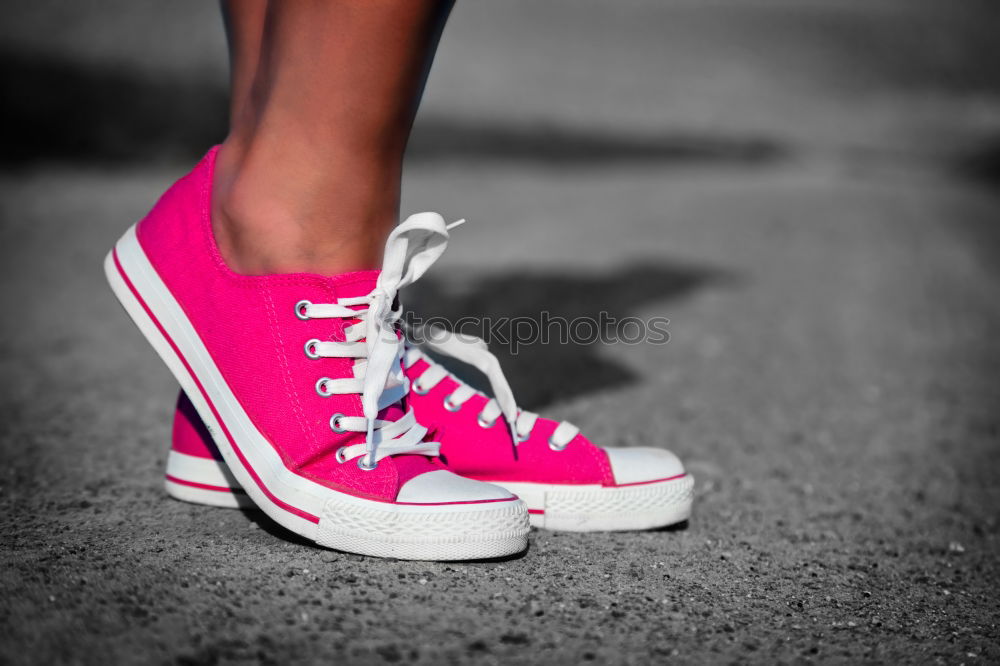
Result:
<point x="309" y="177"/>
<point x="244" y="30"/>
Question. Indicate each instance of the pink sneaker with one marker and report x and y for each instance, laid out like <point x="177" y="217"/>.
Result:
<point x="298" y="379"/>
<point x="567" y="482"/>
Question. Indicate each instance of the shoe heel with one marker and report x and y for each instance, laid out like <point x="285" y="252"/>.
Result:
<point x="203" y="481"/>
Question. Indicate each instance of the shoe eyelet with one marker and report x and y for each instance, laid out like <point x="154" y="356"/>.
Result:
<point x="321" y="387"/>
<point x="557" y="447"/>
<point x="483" y="424"/>
<point x="335" y="423"/>
<point x="518" y="439"/>
<point x="339" y="455"/>
<point x="300" y="309"/>
<point x="450" y="406"/>
<point x="363" y="466"/>
<point x="418" y="389"/>
<point x="309" y="349"/>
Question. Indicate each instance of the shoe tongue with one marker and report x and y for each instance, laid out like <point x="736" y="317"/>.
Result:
<point x="352" y="285"/>
<point x="392" y="412"/>
<point x="347" y="285"/>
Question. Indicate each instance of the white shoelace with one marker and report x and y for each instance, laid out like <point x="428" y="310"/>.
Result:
<point x="473" y="351"/>
<point x="410" y="250"/>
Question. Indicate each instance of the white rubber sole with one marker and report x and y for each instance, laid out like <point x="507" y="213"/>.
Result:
<point x="595" y="508"/>
<point x="330" y="518"/>
<point x="590" y="508"/>
<point x="220" y="497"/>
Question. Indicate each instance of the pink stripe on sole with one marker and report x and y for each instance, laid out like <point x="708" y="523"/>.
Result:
<point x="485" y="501"/>
<point x="643" y="483"/>
<point x="205" y="486"/>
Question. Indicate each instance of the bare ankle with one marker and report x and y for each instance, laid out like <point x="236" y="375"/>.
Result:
<point x="272" y="215"/>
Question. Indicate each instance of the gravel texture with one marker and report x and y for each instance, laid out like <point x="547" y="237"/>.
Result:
<point x="809" y="191"/>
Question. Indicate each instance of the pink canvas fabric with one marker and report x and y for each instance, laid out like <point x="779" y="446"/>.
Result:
<point x="249" y="326"/>
<point x="190" y="436"/>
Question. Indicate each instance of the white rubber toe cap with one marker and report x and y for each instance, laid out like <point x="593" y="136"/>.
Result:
<point x="642" y="464"/>
<point x="443" y="486"/>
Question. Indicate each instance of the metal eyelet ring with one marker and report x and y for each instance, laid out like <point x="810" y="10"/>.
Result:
<point x="484" y="424"/>
<point x="450" y="406"/>
<point x="321" y="387"/>
<point x="299" y="307"/>
<point x="557" y="447"/>
<point x="362" y="465"/>
<point x="335" y="423"/>
<point x="309" y="349"/>
<point x="339" y="455"/>
<point x="418" y="389"/>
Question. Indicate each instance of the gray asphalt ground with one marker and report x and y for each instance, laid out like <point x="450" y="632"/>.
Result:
<point x="809" y="190"/>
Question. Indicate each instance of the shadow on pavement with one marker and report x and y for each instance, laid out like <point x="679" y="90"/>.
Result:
<point x="261" y="520"/>
<point x="446" y="139"/>
<point x="60" y="110"/>
<point x="539" y="373"/>
<point x="983" y="165"/>
<point x="676" y="527"/>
